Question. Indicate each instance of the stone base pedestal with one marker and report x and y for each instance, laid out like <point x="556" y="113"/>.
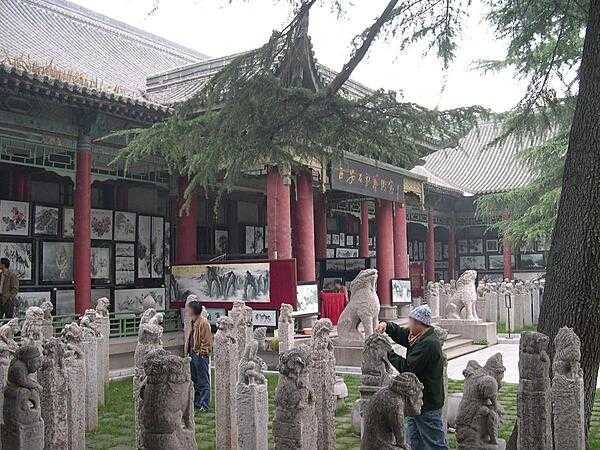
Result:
<point x="501" y="445"/>
<point x="348" y="355"/>
<point x="388" y="312"/>
<point x="252" y="416"/>
<point x="479" y="331"/>
<point x="23" y="437"/>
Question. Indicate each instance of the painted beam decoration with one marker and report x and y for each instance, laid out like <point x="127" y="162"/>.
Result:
<point x="227" y="282"/>
<point x="371" y="180"/>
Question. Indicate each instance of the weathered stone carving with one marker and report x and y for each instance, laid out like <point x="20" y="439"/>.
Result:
<point x="102" y="316"/>
<point x="432" y="298"/>
<point x="52" y="377"/>
<point x="47" y="329"/>
<point x="464" y="297"/>
<point x="242" y="323"/>
<point x="376" y="368"/>
<point x="33" y="326"/>
<point x="23" y="427"/>
<point x="295" y="425"/>
<point x="285" y="328"/>
<point x="226" y="374"/>
<point x="252" y="397"/>
<point x="363" y="307"/>
<point x="74" y="362"/>
<point x="167" y="403"/>
<point x="480" y="414"/>
<point x="534" y="405"/>
<point x="8" y="348"/>
<point x="384" y="414"/>
<point x="92" y="329"/>
<point x="149" y="338"/>
<point x="89" y="346"/>
<point x="322" y="379"/>
<point x="568" y="392"/>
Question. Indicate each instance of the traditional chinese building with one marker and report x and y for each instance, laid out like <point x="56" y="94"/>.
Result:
<point x="77" y="225"/>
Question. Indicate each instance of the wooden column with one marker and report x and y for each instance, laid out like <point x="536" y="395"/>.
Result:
<point x="305" y="227"/>
<point x="320" y="220"/>
<point x="385" y="252"/>
<point x="430" y="249"/>
<point x="400" y="242"/>
<point x="506" y="253"/>
<point x="186" y="251"/>
<point x="452" y="253"/>
<point x="20" y="186"/>
<point x="82" y="248"/>
<point x="278" y="215"/>
<point x="363" y="245"/>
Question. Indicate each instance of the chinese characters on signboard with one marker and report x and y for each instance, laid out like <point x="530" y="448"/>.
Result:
<point x="361" y="178"/>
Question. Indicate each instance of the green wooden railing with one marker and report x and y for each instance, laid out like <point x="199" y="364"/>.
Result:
<point x="121" y="324"/>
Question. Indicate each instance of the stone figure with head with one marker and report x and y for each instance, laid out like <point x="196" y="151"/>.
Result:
<point x="89" y="323"/>
<point x="7" y="336"/>
<point x="384" y="413"/>
<point x="72" y="335"/>
<point x="47" y="307"/>
<point x="464" y="297"/>
<point x="251" y="365"/>
<point x="102" y="307"/>
<point x="33" y="324"/>
<point x="363" y="308"/>
<point x="27" y="361"/>
<point x="567" y="354"/>
<point x="285" y="313"/>
<point x="376" y="368"/>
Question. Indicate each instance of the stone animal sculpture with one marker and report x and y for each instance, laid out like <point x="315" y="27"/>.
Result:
<point x="102" y="307"/>
<point x="375" y="367"/>
<point x="252" y="365"/>
<point x="89" y="323"/>
<point x="384" y="413"/>
<point x="33" y="324"/>
<point x="166" y="401"/>
<point x="363" y="308"/>
<point x="47" y="307"/>
<point x="479" y="412"/>
<point x="295" y="424"/>
<point x="72" y="335"/>
<point x="464" y="297"/>
<point x="7" y="336"/>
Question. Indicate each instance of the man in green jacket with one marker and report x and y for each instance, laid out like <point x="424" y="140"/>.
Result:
<point x="423" y="358"/>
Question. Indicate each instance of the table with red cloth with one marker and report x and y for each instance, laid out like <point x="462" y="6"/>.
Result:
<point x="332" y="305"/>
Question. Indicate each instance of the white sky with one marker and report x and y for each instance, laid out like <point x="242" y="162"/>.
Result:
<point x="216" y="28"/>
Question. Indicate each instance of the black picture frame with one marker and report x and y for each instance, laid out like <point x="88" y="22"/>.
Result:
<point x="33" y="259"/>
<point x="34" y="219"/>
<point x="45" y="251"/>
<point x="402" y="283"/>
<point x="102" y="281"/>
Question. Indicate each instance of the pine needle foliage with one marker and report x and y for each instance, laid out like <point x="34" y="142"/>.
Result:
<point x="269" y="107"/>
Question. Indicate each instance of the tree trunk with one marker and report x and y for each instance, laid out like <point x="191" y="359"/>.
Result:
<point x="571" y="297"/>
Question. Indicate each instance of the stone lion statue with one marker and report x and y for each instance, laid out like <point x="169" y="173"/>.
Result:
<point x="384" y="413"/>
<point x="464" y="297"/>
<point x="375" y="367"/>
<point x="363" y="307"/>
<point x="102" y="307"/>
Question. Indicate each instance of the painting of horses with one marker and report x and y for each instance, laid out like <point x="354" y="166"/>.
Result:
<point x="247" y="282"/>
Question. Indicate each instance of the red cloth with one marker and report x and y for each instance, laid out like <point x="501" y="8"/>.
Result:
<point x="332" y="305"/>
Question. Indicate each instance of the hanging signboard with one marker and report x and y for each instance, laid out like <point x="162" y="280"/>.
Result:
<point x="361" y="176"/>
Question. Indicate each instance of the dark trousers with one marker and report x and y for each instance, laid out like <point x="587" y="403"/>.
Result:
<point x="6" y="309"/>
<point x="201" y="379"/>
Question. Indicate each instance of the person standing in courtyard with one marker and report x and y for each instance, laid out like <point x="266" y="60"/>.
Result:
<point x="423" y="358"/>
<point x="9" y="288"/>
<point x="198" y="347"/>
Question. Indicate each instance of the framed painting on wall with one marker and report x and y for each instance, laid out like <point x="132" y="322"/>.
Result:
<point x="346" y="252"/>
<point x="335" y="239"/>
<point x="24" y="300"/>
<point x="101" y="224"/>
<point x="158" y="247"/>
<point x="491" y="245"/>
<point x="255" y="240"/>
<point x="463" y="247"/>
<point x="224" y="282"/>
<point x="472" y="262"/>
<point x="330" y="253"/>
<point x="138" y="300"/>
<point x="401" y="291"/>
<point x="14" y="218"/>
<point x="100" y="263"/>
<point x="264" y="317"/>
<point x="329" y="283"/>
<point x="307" y="296"/>
<point x="349" y="240"/>
<point x="167" y="244"/>
<point x="57" y="262"/>
<point x="68" y="223"/>
<point x="144" y="244"/>
<point x="45" y="220"/>
<point x="214" y="313"/>
<point x="125" y="223"/>
<point x="20" y="255"/>
<point x="221" y="242"/>
<point x="328" y="241"/>
<point x="475" y="246"/>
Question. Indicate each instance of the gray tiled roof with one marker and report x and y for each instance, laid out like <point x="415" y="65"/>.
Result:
<point x="77" y="39"/>
<point x="476" y="168"/>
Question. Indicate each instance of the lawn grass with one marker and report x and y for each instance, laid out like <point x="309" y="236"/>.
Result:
<point x="117" y="428"/>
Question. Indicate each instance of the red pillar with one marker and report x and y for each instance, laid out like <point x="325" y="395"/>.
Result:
<point x="506" y="253"/>
<point x="82" y="248"/>
<point x="278" y="216"/>
<point x="385" y="250"/>
<point x="305" y="227"/>
<point x="186" y="239"/>
<point x="20" y="186"/>
<point x="320" y="220"/>
<point x="363" y="244"/>
<point x="400" y="242"/>
<point x="122" y="195"/>
<point x="451" y="253"/>
<point x="430" y="250"/>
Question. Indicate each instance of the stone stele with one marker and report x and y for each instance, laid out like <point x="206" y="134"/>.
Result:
<point x="167" y="399"/>
<point x="33" y="326"/>
<point x="92" y="328"/>
<point x="53" y="378"/>
<point x="480" y="413"/>
<point x="102" y="315"/>
<point x="464" y="297"/>
<point x="47" y="328"/>
<point x="568" y="392"/>
<point x="363" y="307"/>
<point x="74" y="361"/>
<point x="149" y="338"/>
<point x="23" y="427"/>
<point x="534" y="404"/>
<point x="89" y="346"/>
<point x="8" y="348"/>
<point x="321" y="372"/>
<point x="252" y="397"/>
<point x="285" y="328"/>
<point x="226" y="373"/>
<point x="384" y="414"/>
